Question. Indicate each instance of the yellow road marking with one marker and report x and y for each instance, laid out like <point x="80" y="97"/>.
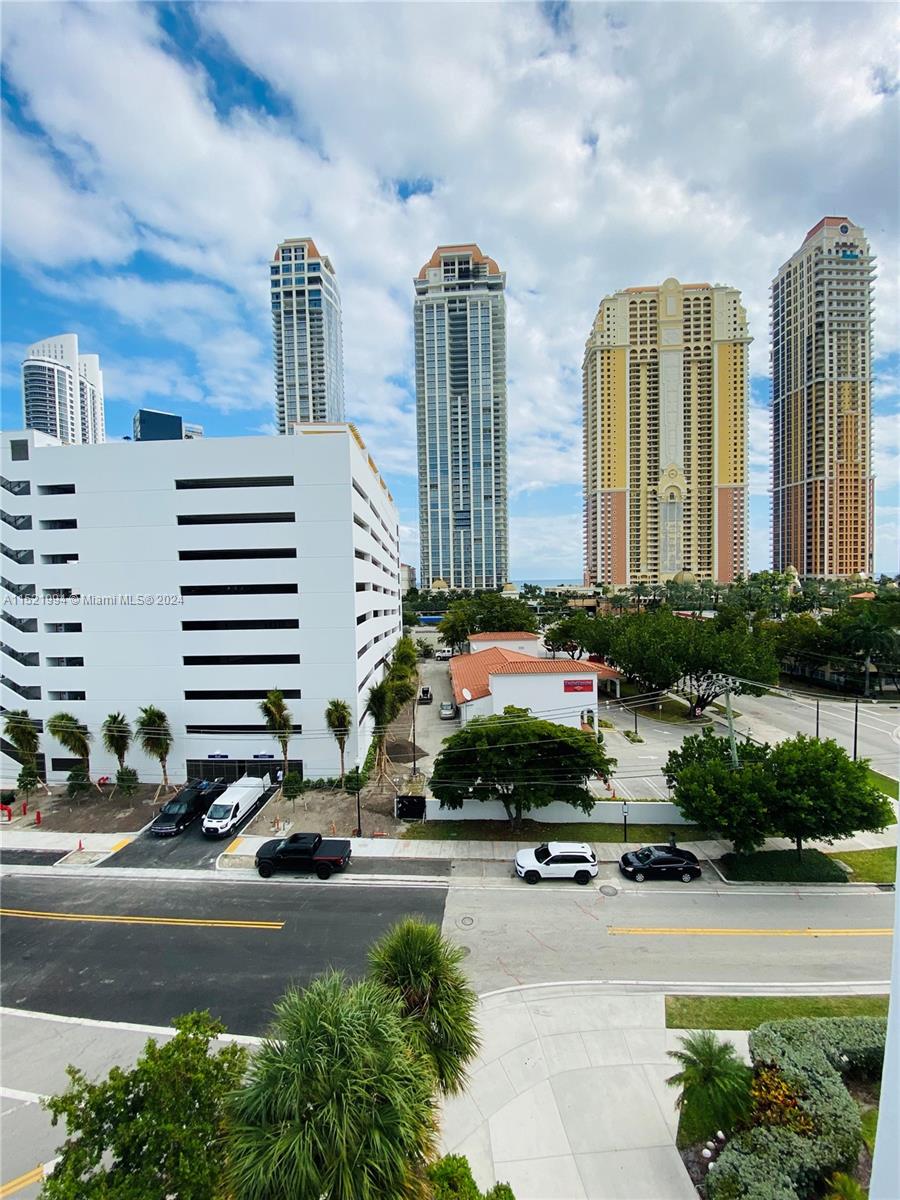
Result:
<point x="16" y="1185"/>
<point x="613" y="929"/>
<point x="232" y="847"/>
<point x="119" y="845"/>
<point x="113" y="919"/>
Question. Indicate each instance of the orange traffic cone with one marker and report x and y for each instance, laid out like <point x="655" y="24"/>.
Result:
<point x="80" y="844"/>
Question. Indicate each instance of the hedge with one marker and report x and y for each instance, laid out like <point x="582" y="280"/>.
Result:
<point x="770" y="1163"/>
<point x="451" y="1179"/>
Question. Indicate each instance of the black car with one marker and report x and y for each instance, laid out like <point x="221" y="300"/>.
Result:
<point x="303" y="852"/>
<point x="660" y="862"/>
<point x="191" y="802"/>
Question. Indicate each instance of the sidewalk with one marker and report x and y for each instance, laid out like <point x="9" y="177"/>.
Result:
<point x="567" y="1099"/>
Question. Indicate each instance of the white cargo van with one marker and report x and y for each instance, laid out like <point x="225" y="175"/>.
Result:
<point x="443" y="654"/>
<point x="235" y="803"/>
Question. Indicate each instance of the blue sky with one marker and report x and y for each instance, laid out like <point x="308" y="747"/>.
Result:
<point x="155" y="155"/>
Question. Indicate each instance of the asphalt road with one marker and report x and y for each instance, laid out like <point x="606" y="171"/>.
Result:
<point x="189" y="849"/>
<point x="143" y="968"/>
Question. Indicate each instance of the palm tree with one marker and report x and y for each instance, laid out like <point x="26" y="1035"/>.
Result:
<point x="416" y="962"/>
<point x="72" y="736"/>
<point x="380" y="706"/>
<point x="116" y="733"/>
<point x="336" y="1102"/>
<point x="867" y="637"/>
<point x="155" y="737"/>
<point x="22" y="733"/>
<point x="337" y="718"/>
<point x="714" y="1082"/>
<point x="279" y="723"/>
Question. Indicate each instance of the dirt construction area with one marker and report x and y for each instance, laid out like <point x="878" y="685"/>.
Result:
<point x="100" y="810"/>
<point x="329" y="813"/>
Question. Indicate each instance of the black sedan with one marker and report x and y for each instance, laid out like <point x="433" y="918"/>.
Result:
<point x="191" y="802"/>
<point x="660" y="862"/>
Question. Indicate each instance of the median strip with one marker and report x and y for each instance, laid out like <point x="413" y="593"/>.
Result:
<point x="623" y="931"/>
<point x="113" y="919"/>
<point x="36" y="1175"/>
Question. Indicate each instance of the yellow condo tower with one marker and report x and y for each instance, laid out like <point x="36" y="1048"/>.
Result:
<point x="665" y="384"/>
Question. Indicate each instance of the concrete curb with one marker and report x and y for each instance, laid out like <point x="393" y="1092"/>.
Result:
<point x="234" y="874"/>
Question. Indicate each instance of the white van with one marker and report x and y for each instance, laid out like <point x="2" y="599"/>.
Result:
<point x="235" y="803"/>
<point x="443" y="654"/>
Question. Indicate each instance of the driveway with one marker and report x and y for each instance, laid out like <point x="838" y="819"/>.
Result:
<point x="568" y="1099"/>
<point x="430" y="729"/>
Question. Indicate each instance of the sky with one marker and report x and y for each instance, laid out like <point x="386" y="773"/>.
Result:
<point x="154" y="156"/>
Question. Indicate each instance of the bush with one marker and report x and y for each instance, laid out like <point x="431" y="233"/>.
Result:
<point x="782" y="866"/>
<point x="632" y="736"/>
<point x="775" y="1102"/>
<point x="451" y="1179"/>
<point x="127" y="780"/>
<point x="776" y="1163"/>
<point x="78" y="782"/>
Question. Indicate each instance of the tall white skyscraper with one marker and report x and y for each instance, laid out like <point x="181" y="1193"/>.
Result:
<point x="460" y="331"/>
<point x="306" y="335"/>
<point x="62" y="390"/>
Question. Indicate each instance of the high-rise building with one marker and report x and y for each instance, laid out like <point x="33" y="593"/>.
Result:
<point x="150" y="425"/>
<point x="306" y="335"/>
<point x="460" y="333"/>
<point x="665" y="435"/>
<point x="62" y="390"/>
<point x="822" y="486"/>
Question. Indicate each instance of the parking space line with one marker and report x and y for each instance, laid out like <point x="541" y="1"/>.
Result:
<point x="119" y="845"/>
<point x="116" y="919"/>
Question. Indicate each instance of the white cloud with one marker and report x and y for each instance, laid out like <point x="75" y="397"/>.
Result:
<point x="649" y="140"/>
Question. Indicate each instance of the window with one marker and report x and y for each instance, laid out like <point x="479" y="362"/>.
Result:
<point x="64" y="627"/>
<point x="62" y="523"/>
<point x="255" y="552"/>
<point x="201" y="729"/>
<point x="51" y="560"/>
<point x="65" y="662"/>
<point x="235" y="482"/>
<point x="240" y="589"/>
<point x="66" y="764"/>
<point x="278" y="623"/>
<point x="65" y="695"/>
<point x="248" y="660"/>
<point x="18" y="451"/>
<point x="289" y="694"/>
<point x="56" y="489"/>
<point x="237" y="518"/>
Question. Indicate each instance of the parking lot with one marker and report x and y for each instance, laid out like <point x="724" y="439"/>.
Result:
<point x="187" y="849"/>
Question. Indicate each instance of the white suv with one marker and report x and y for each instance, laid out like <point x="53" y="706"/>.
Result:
<point x="557" y="860"/>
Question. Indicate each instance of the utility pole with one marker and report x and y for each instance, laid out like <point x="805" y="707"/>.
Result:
<point x="635" y="719"/>
<point x="415" y="769"/>
<point x="855" y="727"/>
<point x="729" y="716"/>
<point x="817" y="720"/>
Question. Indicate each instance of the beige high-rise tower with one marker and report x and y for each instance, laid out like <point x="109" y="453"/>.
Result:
<point x="822" y="486"/>
<point x="665" y="435"/>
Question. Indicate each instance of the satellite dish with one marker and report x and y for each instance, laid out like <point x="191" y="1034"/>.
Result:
<point x="467" y="695"/>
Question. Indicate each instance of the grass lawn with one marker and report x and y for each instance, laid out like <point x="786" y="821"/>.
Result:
<point x="871" y="866"/>
<point x="869" y="1127"/>
<point x="888" y="786"/>
<point x="546" y="831"/>
<point x="746" y="1012"/>
<point x="782" y="866"/>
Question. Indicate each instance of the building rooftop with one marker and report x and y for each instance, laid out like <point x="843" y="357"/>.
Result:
<point x="502" y="636"/>
<point x="470" y="247"/>
<point x="826" y="221"/>
<point x="472" y="672"/>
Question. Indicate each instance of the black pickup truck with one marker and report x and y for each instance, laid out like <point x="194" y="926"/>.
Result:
<point x="303" y="852"/>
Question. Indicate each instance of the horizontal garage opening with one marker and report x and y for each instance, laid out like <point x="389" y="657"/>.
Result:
<point x="232" y="769"/>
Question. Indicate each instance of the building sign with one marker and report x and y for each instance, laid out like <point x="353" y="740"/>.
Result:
<point x="578" y="685"/>
<point x="217" y="756"/>
<point x="263" y="755"/>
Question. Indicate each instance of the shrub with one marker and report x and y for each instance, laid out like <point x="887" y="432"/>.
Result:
<point x="777" y="1163"/>
<point x="78" y="782"/>
<point x="127" y="780"/>
<point x="632" y="736"/>
<point x="451" y="1179"/>
<point x="775" y="1102"/>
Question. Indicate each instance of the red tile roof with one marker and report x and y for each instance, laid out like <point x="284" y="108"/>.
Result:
<point x="473" y="671"/>
<point x="503" y="636"/>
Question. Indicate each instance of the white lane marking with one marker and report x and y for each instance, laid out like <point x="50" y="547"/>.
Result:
<point x="124" y="1026"/>
<point x="26" y="1097"/>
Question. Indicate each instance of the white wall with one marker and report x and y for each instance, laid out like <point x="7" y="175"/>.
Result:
<point x="545" y="696"/>
<point x="605" y="812"/>
<point x="532" y="646"/>
<point x="128" y="540"/>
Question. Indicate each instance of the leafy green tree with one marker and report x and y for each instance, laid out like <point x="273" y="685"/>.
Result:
<point x="820" y="792"/>
<point x="154" y="1130"/>
<point x="155" y="737"/>
<point x="28" y="780"/>
<point x="438" y="1003"/>
<point x="523" y="762"/>
<point x="336" y="1102"/>
<point x="292" y="786"/>
<point x="568" y="635"/>
<point x="77" y="782"/>
<point x="338" y="717"/>
<point x="116" y="734"/>
<point x="714" y="1083"/>
<point x="647" y="648"/>
<point x="279" y="723"/>
<point x="712" y="793"/>
<point x="410" y="617"/>
<point x="711" y="658"/>
<point x="485" y="612"/>
<point x="21" y="731"/>
<point x="869" y="639"/>
<point x="127" y="781"/>
<point x="72" y="736"/>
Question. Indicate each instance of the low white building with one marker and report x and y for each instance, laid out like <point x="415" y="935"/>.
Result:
<point x="566" y="692"/>
<point x="523" y="643"/>
<point x="196" y="576"/>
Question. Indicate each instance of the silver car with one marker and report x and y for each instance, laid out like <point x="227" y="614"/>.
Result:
<point x="448" y="711"/>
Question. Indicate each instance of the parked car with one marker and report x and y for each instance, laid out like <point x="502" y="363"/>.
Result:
<point x="303" y="852"/>
<point x="238" y="801"/>
<point x="191" y="802"/>
<point x="660" y="862"/>
<point x="442" y="654"/>
<point x="426" y="696"/>
<point x="448" y="711"/>
<point x="557" y="860"/>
